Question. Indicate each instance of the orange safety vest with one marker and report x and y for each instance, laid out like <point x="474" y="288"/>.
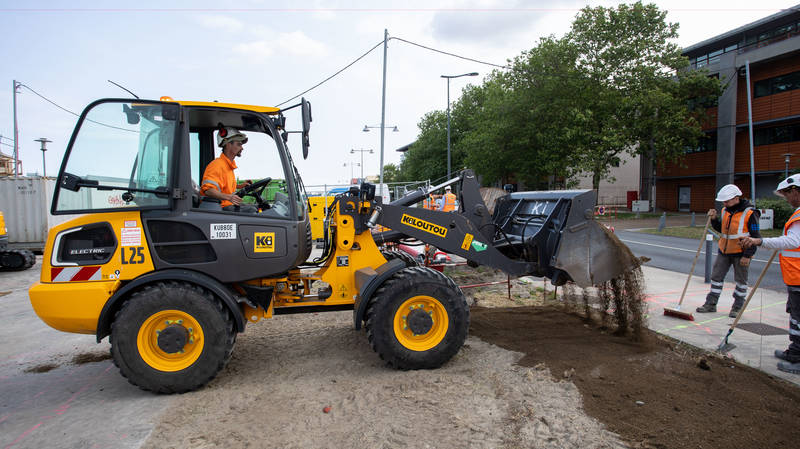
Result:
<point x="790" y="258"/>
<point x="219" y="175"/>
<point x="449" y="200"/>
<point x="734" y="230"/>
<point x="429" y="203"/>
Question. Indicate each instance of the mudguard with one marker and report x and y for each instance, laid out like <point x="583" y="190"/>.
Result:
<point x="116" y="300"/>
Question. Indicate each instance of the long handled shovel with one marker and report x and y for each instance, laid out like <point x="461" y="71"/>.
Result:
<point x="676" y="311"/>
<point x="725" y="347"/>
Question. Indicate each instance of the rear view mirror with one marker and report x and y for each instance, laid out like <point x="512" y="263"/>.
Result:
<point x="305" y="110"/>
<point x="132" y="116"/>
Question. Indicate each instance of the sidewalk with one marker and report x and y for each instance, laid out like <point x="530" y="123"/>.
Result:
<point x="762" y="329"/>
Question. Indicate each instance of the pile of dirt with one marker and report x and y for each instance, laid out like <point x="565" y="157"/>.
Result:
<point x="654" y="392"/>
<point x="300" y="381"/>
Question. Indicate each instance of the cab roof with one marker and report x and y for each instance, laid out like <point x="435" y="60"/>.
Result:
<point x="214" y="104"/>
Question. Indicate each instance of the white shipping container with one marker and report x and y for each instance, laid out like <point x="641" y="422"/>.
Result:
<point x="25" y="203"/>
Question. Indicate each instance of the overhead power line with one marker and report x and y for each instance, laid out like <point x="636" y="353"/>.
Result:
<point x="378" y="45"/>
<point x="450" y="54"/>
<point x="332" y="76"/>
<point x="73" y="113"/>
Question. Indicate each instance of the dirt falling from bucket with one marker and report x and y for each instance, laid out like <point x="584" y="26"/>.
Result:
<point x="619" y="301"/>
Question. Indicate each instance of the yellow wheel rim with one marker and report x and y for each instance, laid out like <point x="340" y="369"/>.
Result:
<point x="416" y="332"/>
<point x="153" y="355"/>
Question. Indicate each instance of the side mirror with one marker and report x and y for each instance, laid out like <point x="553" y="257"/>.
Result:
<point x="305" y="110"/>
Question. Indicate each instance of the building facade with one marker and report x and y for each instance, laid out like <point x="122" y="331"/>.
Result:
<point x="769" y="49"/>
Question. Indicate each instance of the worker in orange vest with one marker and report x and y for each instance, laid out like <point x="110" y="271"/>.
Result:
<point x="789" y="244"/>
<point x="429" y="202"/>
<point x="448" y="200"/>
<point x="738" y="220"/>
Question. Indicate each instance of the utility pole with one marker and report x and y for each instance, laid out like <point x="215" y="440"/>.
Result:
<point x="16" y="132"/>
<point x="383" y="106"/>
<point x="43" y="141"/>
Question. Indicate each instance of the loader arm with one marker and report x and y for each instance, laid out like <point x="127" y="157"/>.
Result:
<point x="549" y="234"/>
<point x="453" y="233"/>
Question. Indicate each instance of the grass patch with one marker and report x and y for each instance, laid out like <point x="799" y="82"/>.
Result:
<point x="696" y="232"/>
<point x="631" y="215"/>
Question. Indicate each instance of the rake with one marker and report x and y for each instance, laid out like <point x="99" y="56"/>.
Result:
<point x="676" y="311"/>
<point x="725" y="347"/>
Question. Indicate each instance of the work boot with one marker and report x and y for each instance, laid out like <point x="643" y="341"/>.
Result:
<point x="706" y="308"/>
<point x="789" y="367"/>
<point x="734" y="312"/>
<point x="791" y="357"/>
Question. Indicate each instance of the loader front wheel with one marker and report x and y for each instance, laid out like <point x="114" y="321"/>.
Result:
<point x="171" y="337"/>
<point x="417" y="319"/>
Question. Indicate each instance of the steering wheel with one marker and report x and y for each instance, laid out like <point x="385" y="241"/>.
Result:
<point x="255" y="190"/>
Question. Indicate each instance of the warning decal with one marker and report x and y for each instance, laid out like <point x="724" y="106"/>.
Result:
<point x="466" y="242"/>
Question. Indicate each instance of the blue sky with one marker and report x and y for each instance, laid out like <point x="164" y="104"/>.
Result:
<point x="264" y="52"/>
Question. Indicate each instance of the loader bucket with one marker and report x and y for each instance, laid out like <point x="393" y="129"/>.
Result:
<point x="556" y="231"/>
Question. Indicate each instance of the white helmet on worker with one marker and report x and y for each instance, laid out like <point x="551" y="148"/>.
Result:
<point x="791" y="181"/>
<point x="728" y="192"/>
<point x="226" y="134"/>
<point x="447" y="188"/>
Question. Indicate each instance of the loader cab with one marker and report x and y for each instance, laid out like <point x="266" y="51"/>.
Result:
<point x="146" y="159"/>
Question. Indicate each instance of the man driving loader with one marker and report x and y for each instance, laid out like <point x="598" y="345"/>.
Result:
<point x="219" y="180"/>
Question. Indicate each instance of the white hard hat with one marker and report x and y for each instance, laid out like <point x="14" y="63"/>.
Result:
<point x="225" y="135"/>
<point x="728" y="192"/>
<point x="447" y="188"/>
<point x="793" y="180"/>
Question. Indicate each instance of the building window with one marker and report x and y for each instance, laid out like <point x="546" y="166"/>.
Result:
<point x="706" y="143"/>
<point x="778" y="84"/>
<point x="777" y="134"/>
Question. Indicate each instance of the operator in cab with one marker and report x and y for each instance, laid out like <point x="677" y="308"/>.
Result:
<point x="219" y="181"/>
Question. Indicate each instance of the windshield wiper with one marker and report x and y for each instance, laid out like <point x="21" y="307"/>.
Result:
<point x="74" y="183"/>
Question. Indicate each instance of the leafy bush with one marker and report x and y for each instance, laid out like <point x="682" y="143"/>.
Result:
<point x="782" y="210"/>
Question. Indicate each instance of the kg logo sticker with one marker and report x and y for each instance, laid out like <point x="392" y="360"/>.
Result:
<point x="264" y="242"/>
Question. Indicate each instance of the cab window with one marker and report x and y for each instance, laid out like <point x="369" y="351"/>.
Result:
<point x="120" y="158"/>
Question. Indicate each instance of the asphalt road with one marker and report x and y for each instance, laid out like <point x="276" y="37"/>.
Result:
<point x="50" y="399"/>
<point x="677" y="254"/>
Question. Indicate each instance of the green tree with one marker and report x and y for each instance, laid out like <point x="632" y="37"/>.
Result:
<point x="391" y="173"/>
<point x="636" y="87"/>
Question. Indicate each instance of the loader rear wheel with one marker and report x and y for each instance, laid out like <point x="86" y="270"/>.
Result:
<point x="171" y="337"/>
<point x="417" y="319"/>
<point x="408" y="259"/>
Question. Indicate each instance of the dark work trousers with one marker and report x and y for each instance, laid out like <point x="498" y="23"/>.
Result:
<point x="793" y="309"/>
<point x="721" y="266"/>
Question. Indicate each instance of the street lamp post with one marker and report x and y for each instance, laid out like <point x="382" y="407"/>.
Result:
<point x="382" y="127"/>
<point x="786" y="159"/>
<point x="449" y="77"/>
<point x="362" y="151"/>
<point x="44" y="142"/>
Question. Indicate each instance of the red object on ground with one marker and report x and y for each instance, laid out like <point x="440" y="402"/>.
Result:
<point x="326" y="409"/>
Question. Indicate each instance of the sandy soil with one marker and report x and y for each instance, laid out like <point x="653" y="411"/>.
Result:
<point x="530" y="375"/>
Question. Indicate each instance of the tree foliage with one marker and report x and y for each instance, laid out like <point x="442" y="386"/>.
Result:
<point x="615" y="84"/>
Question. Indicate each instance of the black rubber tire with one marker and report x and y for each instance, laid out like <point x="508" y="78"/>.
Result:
<point x="408" y="259"/>
<point x="16" y="259"/>
<point x="214" y="319"/>
<point x="403" y="285"/>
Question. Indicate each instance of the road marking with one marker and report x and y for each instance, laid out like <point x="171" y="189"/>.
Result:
<point x="677" y="249"/>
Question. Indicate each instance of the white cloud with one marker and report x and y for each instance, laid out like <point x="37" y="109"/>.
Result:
<point x="294" y="43"/>
<point x="298" y="43"/>
<point x="217" y="22"/>
<point x="255" y="50"/>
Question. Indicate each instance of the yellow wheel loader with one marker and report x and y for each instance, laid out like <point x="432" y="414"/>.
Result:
<point x="171" y="277"/>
